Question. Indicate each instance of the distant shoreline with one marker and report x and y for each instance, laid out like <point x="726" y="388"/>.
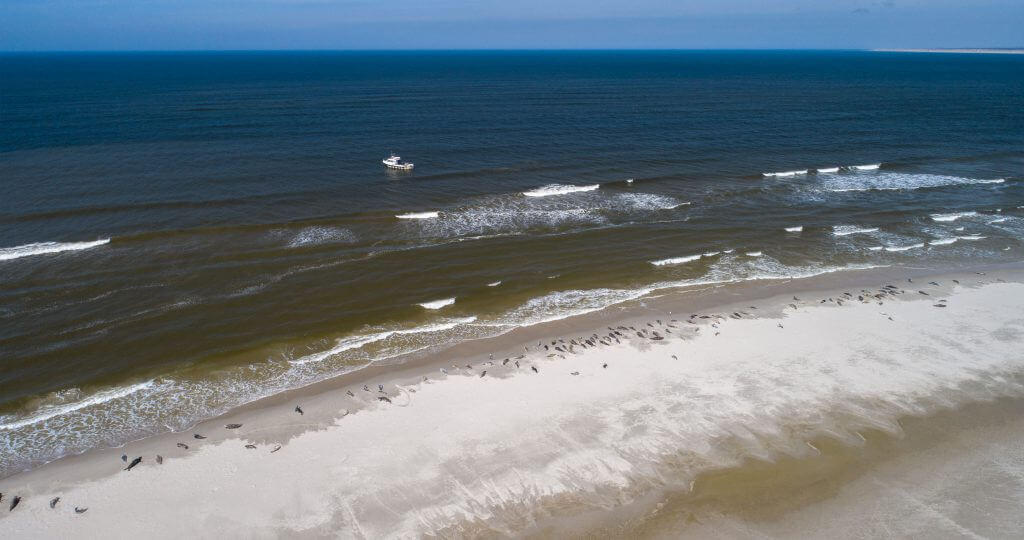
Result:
<point x="958" y="51"/>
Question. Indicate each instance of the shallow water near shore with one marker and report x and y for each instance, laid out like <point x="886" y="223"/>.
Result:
<point x="186" y="233"/>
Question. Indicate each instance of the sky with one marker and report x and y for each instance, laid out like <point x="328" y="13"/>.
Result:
<point x="40" y="25"/>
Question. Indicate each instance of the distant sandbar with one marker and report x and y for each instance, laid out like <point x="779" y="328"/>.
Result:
<point x="959" y="51"/>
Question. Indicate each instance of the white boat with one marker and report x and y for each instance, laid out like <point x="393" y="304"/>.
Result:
<point x="395" y="162"/>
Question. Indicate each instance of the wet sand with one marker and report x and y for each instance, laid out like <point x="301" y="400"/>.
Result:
<point x="953" y="474"/>
<point x="748" y="422"/>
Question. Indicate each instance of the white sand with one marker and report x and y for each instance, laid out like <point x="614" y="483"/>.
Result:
<point x="504" y="453"/>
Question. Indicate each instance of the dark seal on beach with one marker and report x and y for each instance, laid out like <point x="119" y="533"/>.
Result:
<point x="134" y="462"/>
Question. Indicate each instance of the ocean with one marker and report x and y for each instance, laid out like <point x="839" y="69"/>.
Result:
<point x="183" y="233"/>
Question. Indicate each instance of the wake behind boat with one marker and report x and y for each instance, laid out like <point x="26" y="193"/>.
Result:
<point x="395" y="162"/>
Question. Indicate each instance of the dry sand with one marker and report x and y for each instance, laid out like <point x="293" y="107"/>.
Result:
<point x="637" y="448"/>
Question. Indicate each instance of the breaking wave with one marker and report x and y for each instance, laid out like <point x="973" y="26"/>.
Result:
<point x="893" y="181"/>
<point x="42" y="248"/>
<point x="418" y="215"/>
<point x="846" y="230"/>
<point x="558" y="189"/>
<point x="355" y="342"/>
<point x="904" y="248"/>
<point x="952" y="217"/>
<point x="312" y="236"/>
<point x="513" y="215"/>
<point x="50" y="411"/>
<point x="438" y="304"/>
<point x="824" y="170"/>
<point x="787" y="173"/>
<point x="676" y="260"/>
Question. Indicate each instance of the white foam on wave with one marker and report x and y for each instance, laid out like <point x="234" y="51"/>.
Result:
<point x="321" y="235"/>
<point x="558" y="189"/>
<point x="494" y="284"/>
<point x="892" y="181"/>
<point x="846" y="230"/>
<point x="971" y="237"/>
<point x="824" y="170"/>
<point x="727" y="269"/>
<point x="355" y="342"/>
<point x="795" y="229"/>
<point x="438" y="304"/>
<point x="942" y="241"/>
<point x="43" y="248"/>
<point x="754" y="254"/>
<point x="512" y="214"/>
<point x="904" y="248"/>
<point x="1000" y="220"/>
<point x="952" y="217"/>
<point x="876" y="248"/>
<point x="676" y="260"/>
<point x="689" y="258"/>
<point x="98" y="398"/>
<point x="786" y="173"/>
<point x="560" y="305"/>
<point x="418" y="215"/>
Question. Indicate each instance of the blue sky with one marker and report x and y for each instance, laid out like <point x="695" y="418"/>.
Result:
<point x="506" y="24"/>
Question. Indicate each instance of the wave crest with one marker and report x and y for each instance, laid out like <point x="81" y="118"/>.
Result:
<point x="42" y="248"/>
<point x="559" y="189"/>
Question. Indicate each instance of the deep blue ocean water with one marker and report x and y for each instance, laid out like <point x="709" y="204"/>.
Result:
<point x="220" y="225"/>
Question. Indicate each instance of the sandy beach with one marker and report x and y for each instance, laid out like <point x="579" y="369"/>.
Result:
<point x="775" y="409"/>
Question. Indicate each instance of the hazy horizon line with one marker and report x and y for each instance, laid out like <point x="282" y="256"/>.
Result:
<point x="521" y="49"/>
